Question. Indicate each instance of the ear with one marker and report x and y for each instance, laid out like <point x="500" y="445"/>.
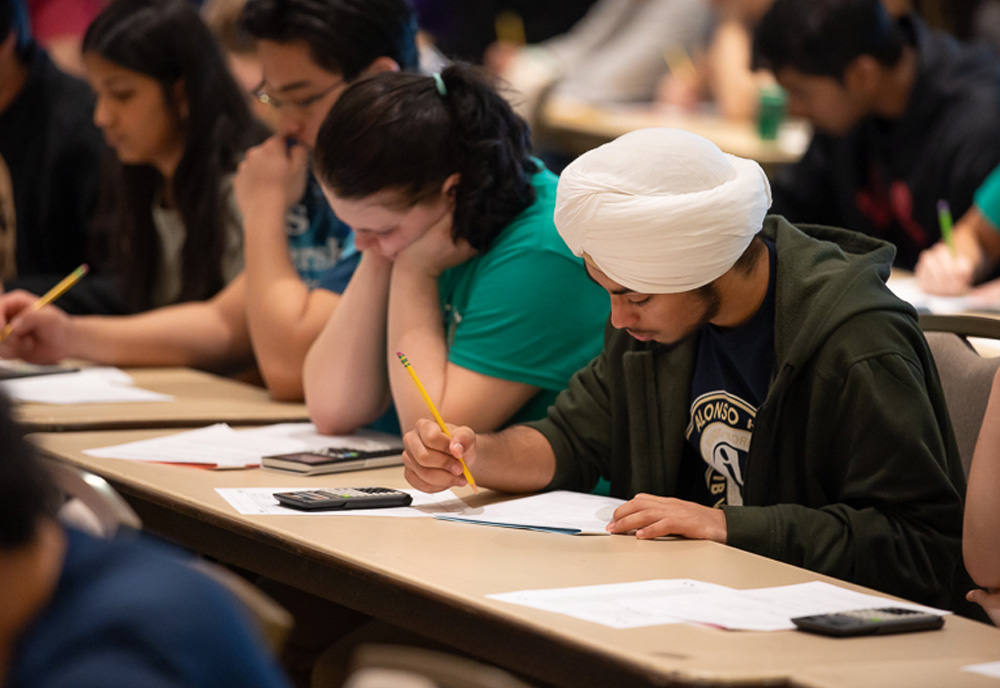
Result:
<point x="379" y="65"/>
<point x="450" y="186"/>
<point x="181" y="100"/>
<point x="863" y="77"/>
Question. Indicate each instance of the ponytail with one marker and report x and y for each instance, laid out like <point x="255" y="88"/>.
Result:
<point x="409" y="133"/>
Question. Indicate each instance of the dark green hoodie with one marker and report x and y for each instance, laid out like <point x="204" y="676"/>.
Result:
<point x="853" y="469"/>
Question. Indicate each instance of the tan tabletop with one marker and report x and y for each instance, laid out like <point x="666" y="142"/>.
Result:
<point x="433" y="577"/>
<point x="574" y="128"/>
<point x="199" y="399"/>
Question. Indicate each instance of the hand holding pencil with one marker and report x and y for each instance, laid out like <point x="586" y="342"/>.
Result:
<point x="51" y="295"/>
<point x="948" y="267"/>
<point x="44" y="334"/>
<point x="437" y="416"/>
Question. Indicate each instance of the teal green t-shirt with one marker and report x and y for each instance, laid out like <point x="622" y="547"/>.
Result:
<point x="525" y="310"/>
<point x="987" y="198"/>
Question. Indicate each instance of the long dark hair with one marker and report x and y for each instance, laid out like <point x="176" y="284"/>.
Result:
<point x="166" y="40"/>
<point x="405" y="132"/>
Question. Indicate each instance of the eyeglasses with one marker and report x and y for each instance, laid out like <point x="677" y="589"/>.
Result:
<point x="302" y="104"/>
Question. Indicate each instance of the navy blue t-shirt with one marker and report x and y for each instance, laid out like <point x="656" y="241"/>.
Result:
<point x="129" y="613"/>
<point x="731" y="378"/>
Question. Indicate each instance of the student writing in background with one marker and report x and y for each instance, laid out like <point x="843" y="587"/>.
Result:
<point x="178" y="125"/>
<point x="298" y="255"/>
<point x="903" y="116"/>
<point x="724" y="74"/>
<point x="973" y="255"/>
<point x="462" y="269"/>
<point x="981" y="533"/>
<point x="761" y="387"/>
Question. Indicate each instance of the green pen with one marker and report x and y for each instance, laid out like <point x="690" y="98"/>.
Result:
<point x="944" y="219"/>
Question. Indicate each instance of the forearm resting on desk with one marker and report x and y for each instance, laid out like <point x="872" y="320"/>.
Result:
<point x="193" y="335"/>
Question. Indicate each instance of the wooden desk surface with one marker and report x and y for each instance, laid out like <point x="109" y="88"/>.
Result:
<point x="574" y="128"/>
<point x="199" y="399"/>
<point x="433" y="576"/>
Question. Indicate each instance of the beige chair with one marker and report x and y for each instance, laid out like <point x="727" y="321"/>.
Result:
<point x="91" y="503"/>
<point x="399" y="666"/>
<point x="966" y="377"/>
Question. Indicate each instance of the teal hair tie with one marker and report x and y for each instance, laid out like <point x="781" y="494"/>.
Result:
<point x="439" y="83"/>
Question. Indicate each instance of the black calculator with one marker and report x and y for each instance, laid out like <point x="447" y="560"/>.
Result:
<point x="337" y="498"/>
<point x="880" y="621"/>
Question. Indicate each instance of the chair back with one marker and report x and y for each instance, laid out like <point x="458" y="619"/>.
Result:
<point x="398" y="666"/>
<point x="967" y="379"/>
<point x="91" y="503"/>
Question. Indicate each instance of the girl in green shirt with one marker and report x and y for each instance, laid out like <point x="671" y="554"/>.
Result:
<point x="462" y="268"/>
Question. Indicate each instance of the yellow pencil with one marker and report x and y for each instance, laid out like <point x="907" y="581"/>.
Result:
<point x="52" y="294"/>
<point x="437" y="416"/>
<point x="509" y="27"/>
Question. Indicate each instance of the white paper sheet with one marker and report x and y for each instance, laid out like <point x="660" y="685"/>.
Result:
<point x="619" y="605"/>
<point x="906" y="288"/>
<point x="629" y="605"/>
<point x="224" y="447"/>
<point x="260" y="501"/>
<point x="574" y="513"/>
<point x="87" y="386"/>
<point x="991" y="669"/>
<point x="771" y="609"/>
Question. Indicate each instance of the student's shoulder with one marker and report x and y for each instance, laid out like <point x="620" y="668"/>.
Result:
<point x="137" y="580"/>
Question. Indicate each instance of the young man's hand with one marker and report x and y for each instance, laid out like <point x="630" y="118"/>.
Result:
<point x="430" y="458"/>
<point x="651" y="516"/>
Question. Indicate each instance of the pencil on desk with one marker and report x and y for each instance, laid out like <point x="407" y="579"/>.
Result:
<point x="944" y="219"/>
<point x="52" y="294"/>
<point x="437" y="416"/>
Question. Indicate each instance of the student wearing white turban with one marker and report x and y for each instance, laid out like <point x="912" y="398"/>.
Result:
<point x="661" y="211"/>
<point x="760" y="386"/>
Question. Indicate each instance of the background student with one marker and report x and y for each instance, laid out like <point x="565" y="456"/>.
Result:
<point x="53" y="153"/>
<point x="615" y="53"/>
<point x="904" y="116"/>
<point x="980" y="539"/>
<point x="178" y="125"/>
<point x="298" y="255"/>
<point x="974" y="253"/>
<point x="462" y="268"/>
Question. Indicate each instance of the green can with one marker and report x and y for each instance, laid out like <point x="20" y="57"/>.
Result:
<point x="770" y="111"/>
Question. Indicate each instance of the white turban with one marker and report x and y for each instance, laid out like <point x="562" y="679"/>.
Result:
<point x="661" y="211"/>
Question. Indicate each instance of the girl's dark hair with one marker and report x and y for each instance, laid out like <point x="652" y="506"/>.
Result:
<point x="344" y="36"/>
<point x="822" y="37"/>
<point x="167" y="40"/>
<point x="26" y="491"/>
<point x="397" y="131"/>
